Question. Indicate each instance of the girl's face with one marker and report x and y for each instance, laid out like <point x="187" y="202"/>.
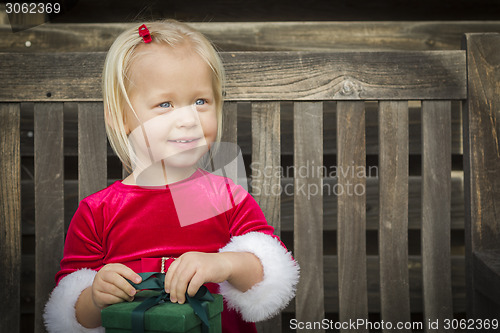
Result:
<point x="172" y="94"/>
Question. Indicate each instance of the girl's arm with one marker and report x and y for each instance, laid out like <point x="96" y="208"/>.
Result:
<point x="246" y="269"/>
<point x="257" y="275"/>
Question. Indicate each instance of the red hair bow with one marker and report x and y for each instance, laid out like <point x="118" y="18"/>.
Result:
<point x="144" y="33"/>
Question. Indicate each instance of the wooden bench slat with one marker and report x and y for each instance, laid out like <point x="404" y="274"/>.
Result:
<point x="264" y="76"/>
<point x="436" y="198"/>
<point x="92" y="149"/>
<point x="10" y="216"/>
<point x="308" y="210"/>
<point x="481" y="119"/>
<point x="265" y="36"/>
<point x="49" y="201"/>
<point x="266" y="153"/>
<point x="351" y="214"/>
<point x="229" y="122"/>
<point x="393" y="196"/>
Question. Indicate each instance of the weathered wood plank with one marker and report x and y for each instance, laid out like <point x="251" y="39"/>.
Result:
<point x="393" y="196"/>
<point x="253" y="76"/>
<point x="436" y="197"/>
<point x="244" y="131"/>
<point x="92" y="158"/>
<point x="263" y="36"/>
<point x="229" y="122"/>
<point x="308" y="211"/>
<point x="10" y="216"/>
<point x="266" y="153"/>
<point x="49" y="201"/>
<point x="351" y="215"/>
<point x="481" y="118"/>
<point x="487" y="275"/>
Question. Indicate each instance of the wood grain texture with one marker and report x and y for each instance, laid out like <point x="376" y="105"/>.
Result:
<point x="10" y="216"/>
<point x="436" y="197"/>
<point x="260" y="36"/>
<point x="308" y="211"/>
<point x="229" y="122"/>
<point x="49" y="201"/>
<point x="92" y="157"/>
<point x="481" y="118"/>
<point x="259" y="76"/>
<point x="482" y="134"/>
<point x="265" y="190"/>
<point x="393" y="197"/>
<point x="351" y="214"/>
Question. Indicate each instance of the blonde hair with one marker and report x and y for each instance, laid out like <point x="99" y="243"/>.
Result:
<point x="117" y="71"/>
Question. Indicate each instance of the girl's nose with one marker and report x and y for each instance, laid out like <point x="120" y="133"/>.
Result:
<point x="186" y="117"/>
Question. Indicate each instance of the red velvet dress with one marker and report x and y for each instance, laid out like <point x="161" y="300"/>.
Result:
<point x="136" y="226"/>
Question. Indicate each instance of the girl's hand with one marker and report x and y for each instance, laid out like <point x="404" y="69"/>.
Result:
<point x="110" y="286"/>
<point x="191" y="270"/>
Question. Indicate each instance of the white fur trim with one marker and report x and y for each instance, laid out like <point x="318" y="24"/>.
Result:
<point x="281" y="274"/>
<point x="60" y="316"/>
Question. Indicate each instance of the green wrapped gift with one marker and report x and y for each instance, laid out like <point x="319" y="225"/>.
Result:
<point x="163" y="316"/>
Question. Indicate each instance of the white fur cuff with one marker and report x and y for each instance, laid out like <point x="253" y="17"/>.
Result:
<point x="60" y="316"/>
<point x="276" y="290"/>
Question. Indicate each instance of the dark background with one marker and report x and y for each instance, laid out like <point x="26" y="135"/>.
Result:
<point x="91" y="11"/>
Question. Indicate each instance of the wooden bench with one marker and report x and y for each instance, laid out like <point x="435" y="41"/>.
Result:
<point x="345" y="110"/>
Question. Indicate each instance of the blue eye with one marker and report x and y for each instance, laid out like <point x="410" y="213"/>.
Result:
<point x="200" y="102"/>
<point x="165" y="105"/>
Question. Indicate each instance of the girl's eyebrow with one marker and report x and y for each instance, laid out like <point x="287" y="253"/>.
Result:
<point x="162" y="95"/>
<point x="171" y="94"/>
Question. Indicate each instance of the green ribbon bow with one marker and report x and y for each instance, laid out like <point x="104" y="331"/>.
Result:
<point x="156" y="281"/>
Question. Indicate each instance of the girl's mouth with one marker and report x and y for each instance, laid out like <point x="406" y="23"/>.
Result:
<point x="185" y="142"/>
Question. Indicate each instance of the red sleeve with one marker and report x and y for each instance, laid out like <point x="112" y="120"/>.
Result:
<point x="247" y="216"/>
<point x="83" y="245"/>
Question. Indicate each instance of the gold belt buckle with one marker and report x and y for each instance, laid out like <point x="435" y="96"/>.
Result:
<point x="163" y="259"/>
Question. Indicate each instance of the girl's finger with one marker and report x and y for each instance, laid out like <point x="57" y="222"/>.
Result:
<point x="195" y="284"/>
<point x="180" y="283"/>
<point x="112" y="289"/>
<point x="124" y="285"/>
<point x="170" y="273"/>
<point x="108" y="299"/>
<point x="116" y="275"/>
<point x="128" y="273"/>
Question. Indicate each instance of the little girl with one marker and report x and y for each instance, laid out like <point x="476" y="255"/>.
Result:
<point x="162" y="89"/>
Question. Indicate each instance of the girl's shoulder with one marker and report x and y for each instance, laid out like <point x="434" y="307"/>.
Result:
<point x="108" y="193"/>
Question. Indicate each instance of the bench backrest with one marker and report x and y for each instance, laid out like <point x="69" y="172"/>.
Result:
<point x="278" y="104"/>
